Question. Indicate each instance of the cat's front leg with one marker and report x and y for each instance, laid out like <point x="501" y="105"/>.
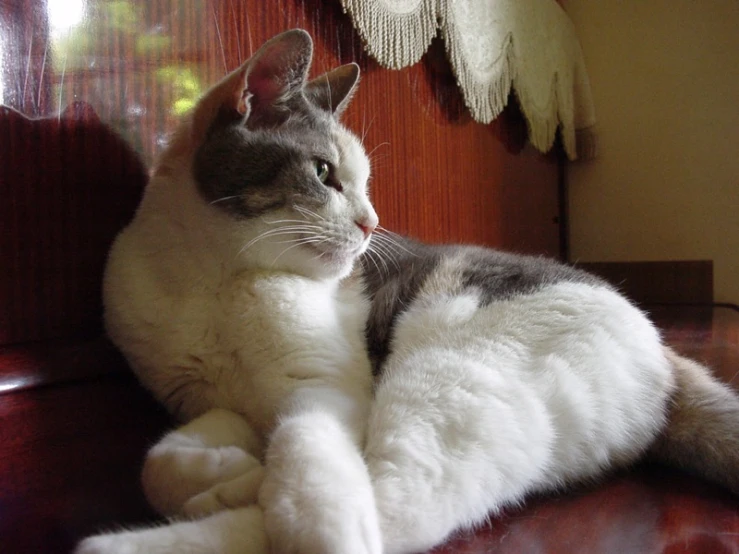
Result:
<point x="210" y="464"/>
<point x="238" y="531"/>
<point x="317" y="496"/>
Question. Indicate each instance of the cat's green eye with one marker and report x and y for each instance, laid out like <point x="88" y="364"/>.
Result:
<point x="322" y="171"/>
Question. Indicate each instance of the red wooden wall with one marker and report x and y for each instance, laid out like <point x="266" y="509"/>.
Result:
<point x="438" y="175"/>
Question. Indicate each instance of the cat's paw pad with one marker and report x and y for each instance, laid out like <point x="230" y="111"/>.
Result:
<point x="239" y="492"/>
<point x="175" y="473"/>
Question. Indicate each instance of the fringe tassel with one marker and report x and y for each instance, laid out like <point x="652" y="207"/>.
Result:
<point x="484" y="100"/>
<point x="395" y="40"/>
<point x="398" y="39"/>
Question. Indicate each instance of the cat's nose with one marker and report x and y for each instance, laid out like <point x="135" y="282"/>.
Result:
<point x="366" y="226"/>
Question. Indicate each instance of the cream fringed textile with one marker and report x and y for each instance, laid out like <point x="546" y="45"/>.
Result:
<point x="493" y="46"/>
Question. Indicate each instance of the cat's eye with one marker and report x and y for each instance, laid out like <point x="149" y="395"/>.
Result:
<point x="325" y="175"/>
<point x="323" y="171"/>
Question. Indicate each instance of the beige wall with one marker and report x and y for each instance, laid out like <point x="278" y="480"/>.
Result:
<point x="665" y="80"/>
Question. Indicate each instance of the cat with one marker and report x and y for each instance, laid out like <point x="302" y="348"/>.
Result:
<point x="345" y="390"/>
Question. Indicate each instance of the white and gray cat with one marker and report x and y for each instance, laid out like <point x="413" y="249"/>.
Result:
<point x="335" y="401"/>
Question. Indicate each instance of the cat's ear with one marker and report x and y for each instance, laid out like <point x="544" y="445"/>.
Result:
<point x="276" y="72"/>
<point x="333" y="91"/>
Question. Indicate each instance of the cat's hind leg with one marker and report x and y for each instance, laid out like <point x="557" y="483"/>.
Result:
<point x="449" y="445"/>
<point x="209" y="464"/>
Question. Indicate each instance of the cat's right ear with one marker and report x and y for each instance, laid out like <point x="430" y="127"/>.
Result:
<point x="258" y="88"/>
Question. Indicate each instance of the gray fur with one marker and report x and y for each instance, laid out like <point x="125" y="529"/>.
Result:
<point x="250" y="172"/>
<point x="259" y="153"/>
<point x="501" y="275"/>
<point x="421" y="271"/>
<point x="392" y="288"/>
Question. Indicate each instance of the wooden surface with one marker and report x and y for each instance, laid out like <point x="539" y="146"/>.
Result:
<point x="660" y="282"/>
<point x="70" y="454"/>
<point x="70" y="457"/>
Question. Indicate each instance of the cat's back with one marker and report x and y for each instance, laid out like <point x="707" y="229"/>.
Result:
<point x="417" y="277"/>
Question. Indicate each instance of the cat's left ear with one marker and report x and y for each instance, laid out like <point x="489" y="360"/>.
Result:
<point x="333" y="91"/>
<point x="259" y="89"/>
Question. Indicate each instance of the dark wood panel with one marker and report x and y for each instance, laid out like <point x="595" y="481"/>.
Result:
<point x="664" y="282"/>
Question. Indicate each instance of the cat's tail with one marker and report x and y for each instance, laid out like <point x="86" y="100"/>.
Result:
<point x="702" y="432"/>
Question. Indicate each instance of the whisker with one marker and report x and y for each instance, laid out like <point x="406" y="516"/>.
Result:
<point x="273" y="233"/>
<point x="366" y="130"/>
<point x="297" y="221"/>
<point x="236" y="28"/>
<point x="387" y="231"/>
<point x="220" y="40"/>
<point x="396" y="249"/>
<point x="370" y="255"/>
<point x="284" y="251"/>
<point x="307" y="212"/>
<point x="310" y="240"/>
<point x="369" y="154"/>
<point x="226" y="198"/>
<point x="294" y="229"/>
<point x="388" y="236"/>
<point x="379" y="257"/>
<point x="330" y="99"/>
<point x="388" y="253"/>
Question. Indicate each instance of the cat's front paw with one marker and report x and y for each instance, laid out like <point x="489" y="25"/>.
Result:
<point x="123" y="543"/>
<point x="239" y="492"/>
<point x="317" y="496"/>
<point x="239" y="531"/>
<point x="187" y="478"/>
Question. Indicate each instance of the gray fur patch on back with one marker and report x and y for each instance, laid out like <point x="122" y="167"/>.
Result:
<point x="424" y="272"/>
<point x="392" y="288"/>
<point x="501" y="275"/>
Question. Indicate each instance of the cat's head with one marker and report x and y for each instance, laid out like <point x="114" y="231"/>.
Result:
<point x="268" y="151"/>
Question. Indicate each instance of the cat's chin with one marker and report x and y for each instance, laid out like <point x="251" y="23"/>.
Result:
<point x="335" y="262"/>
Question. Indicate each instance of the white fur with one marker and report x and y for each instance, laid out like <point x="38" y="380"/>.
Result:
<point x="262" y="341"/>
<point x="477" y="408"/>
<point x="227" y="532"/>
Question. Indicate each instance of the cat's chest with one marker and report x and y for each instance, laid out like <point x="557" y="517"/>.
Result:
<point x="270" y="315"/>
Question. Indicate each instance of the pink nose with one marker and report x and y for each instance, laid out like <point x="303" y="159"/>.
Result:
<point x="366" y="226"/>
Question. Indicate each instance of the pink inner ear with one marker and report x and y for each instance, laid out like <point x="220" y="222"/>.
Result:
<point x="277" y="73"/>
<point x="265" y="85"/>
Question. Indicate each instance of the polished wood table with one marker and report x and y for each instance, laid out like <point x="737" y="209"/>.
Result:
<point x="75" y="426"/>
